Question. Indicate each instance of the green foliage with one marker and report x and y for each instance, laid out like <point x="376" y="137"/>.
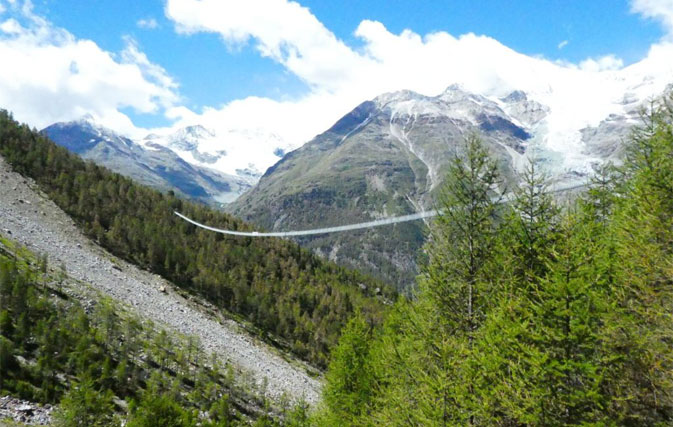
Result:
<point x="52" y="351"/>
<point x="279" y="287"/>
<point x="160" y="411"/>
<point x="349" y="381"/>
<point x="84" y="406"/>
<point x="538" y="316"/>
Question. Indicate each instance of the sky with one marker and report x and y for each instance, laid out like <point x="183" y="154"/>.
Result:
<point x="290" y="69"/>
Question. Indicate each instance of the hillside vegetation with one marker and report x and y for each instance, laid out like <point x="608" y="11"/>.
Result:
<point x="280" y="288"/>
<point x="530" y="313"/>
<point x="102" y="365"/>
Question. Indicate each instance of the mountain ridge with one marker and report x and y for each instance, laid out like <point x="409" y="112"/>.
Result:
<point x="149" y="163"/>
<point x="387" y="156"/>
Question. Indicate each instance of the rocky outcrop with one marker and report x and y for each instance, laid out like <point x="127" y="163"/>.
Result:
<point x="25" y="412"/>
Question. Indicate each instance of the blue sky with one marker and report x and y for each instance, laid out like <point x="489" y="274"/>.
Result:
<point x="267" y="74"/>
<point x="211" y="73"/>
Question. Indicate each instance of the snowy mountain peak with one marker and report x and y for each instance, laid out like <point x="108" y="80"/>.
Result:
<point x="197" y="131"/>
<point x="515" y="96"/>
<point x="456" y="94"/>
<point x="245" y="152"/>
<point x="87" y="119"/>
<point x="392" y="98"/>
<point x="189" y="138"/>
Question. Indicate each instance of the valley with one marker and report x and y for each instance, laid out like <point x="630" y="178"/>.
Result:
<point x="300" y="213"/>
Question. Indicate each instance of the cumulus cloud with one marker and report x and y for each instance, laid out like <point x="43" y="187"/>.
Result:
<point x="147" y="23"/>
<point x="340" y="77"/>
<point x="10" y="26"/>
<point x="660" y="10"/>
<point x="83" y="78"/>
<point x="282" y="30"/>
<point x="49" y="75"/>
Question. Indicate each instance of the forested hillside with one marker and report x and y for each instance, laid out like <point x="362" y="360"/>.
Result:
<point x="529" y="313"/>
<point x="102" y="365"/>
<point x="282" y="289"/>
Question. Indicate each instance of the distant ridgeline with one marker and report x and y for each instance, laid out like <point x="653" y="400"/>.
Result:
<point x="279" y="287"/>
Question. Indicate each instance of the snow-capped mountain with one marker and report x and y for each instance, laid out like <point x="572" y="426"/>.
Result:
<point x="149" y="163"/>
<point x="389" y="156"/>
<point x="246" y="153"/>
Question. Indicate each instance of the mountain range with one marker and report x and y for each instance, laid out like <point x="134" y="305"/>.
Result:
<point x="148" y="162"/>
<point x="386" y="157"/>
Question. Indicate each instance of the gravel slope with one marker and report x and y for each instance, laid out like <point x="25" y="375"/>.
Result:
<point x="29" y="218"/>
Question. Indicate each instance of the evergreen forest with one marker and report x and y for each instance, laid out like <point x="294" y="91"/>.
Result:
<point x="530" y="311"/>
<point x="283" y="290"/>
<point x="104" y="366"/>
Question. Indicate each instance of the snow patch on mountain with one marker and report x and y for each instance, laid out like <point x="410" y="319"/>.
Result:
<point x="243" y="152"/>
<point x="570" y="129"/>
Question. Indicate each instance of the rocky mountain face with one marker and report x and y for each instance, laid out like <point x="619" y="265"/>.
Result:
<point x="148" y="163"/>
<point x="389" y="156"/>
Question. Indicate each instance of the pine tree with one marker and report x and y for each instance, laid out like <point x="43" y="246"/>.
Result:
<point x="436" y="377"/>
<point x="349" y="378"/>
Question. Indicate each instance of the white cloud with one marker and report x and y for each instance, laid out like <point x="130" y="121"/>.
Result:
<point x="11" y="26"/>
<point x="83" y="78"/>
<point x="49" y="75"/>
<point x="604" y="63"/>
<point x="661" y="10"/>
<point x="283" y="30"/>
<point x="341" y="77"/>
<point x="147" y="23"/>
<point x="563" y="44"/>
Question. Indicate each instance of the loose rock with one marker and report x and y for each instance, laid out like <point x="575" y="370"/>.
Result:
<point x="55" y="234"/>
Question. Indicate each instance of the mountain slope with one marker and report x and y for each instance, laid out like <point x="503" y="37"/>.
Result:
<point x="295" y="299"/>
<point x="33" y="220"/>
<point x="150" y="164"/>
<point x="63" y="333"/>
<point x="388" y="156"/>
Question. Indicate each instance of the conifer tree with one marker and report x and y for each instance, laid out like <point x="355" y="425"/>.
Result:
<point x="560" y="358"/>
<point x="640" y="331"/>
<point x="436" y="377"/>
<point x="532" y="225"/>
<point x="349" y="379"/>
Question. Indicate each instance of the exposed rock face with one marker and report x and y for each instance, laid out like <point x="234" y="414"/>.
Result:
<point x="527" y="112"/>
<point x="151" y="164"/>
